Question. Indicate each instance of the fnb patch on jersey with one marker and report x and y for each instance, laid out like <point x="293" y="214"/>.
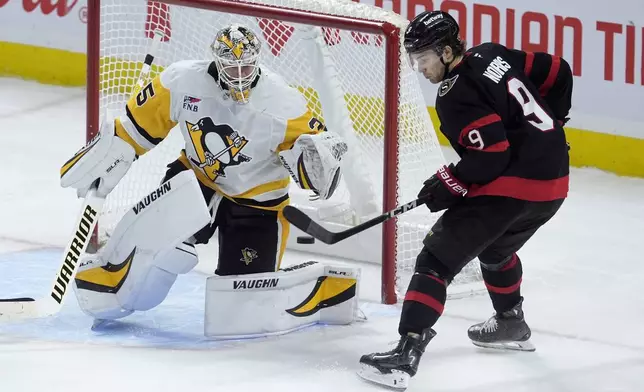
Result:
<point x="190" y="103"/>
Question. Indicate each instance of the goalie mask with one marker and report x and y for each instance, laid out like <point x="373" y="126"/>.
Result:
<point x="236" y="50"/>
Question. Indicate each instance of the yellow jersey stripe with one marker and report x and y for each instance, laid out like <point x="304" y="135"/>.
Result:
<point x="122" y="133"/>
<point x="149" y="111"/>
<point x="141" y="130"/>
<point x="306" y="124"/>
<point x="246" y="198"/>
<point x="286" y="228"/>
<point x="265" y="188"/>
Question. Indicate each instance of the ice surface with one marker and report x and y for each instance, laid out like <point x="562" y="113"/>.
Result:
<point x="583" y="279"/>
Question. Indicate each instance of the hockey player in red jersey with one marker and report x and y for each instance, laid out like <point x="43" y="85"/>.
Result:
<point x="502" y="111"/>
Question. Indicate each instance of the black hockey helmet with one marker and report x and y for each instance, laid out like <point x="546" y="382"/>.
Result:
<point x="431" y="30"/>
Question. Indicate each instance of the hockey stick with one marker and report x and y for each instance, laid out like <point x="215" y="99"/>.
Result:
<point x="28" y="307"/>
<point x="25" y="308"/>
<point x="303" y="222"/>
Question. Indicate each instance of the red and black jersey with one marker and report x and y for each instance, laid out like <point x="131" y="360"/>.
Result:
<point x="494" y="114"/>
<point x="552" y="77"/>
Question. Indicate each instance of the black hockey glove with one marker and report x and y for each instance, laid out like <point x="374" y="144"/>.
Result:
<point x="442" y="190"/>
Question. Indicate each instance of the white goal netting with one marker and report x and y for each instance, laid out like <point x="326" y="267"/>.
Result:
<point x="340" y="72"/>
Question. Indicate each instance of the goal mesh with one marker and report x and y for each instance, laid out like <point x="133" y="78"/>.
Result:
<point x="340" y="72"/>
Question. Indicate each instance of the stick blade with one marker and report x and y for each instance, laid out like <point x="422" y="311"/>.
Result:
<point x="303" y="222"/>
<point x="13" y="309"/>
<point x="23" y="299"/>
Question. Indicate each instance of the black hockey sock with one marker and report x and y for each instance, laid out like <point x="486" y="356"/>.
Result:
<point x="423" y="304"/>
<point x="503" y="282"/>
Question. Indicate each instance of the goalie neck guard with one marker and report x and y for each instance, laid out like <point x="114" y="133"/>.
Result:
<point x="236" y="50"/>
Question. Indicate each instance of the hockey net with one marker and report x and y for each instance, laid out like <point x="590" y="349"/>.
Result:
<point x="342" y="71"/>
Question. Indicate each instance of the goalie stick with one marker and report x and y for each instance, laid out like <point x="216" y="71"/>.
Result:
<point x="303" y="222"/>
<point x="26" y="308"/>
<point x="19" y="308"/>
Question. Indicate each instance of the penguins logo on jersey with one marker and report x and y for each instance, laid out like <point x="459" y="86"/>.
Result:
<point x="217" y="147"/>
<point x="248" y="255"/>
<point x="446" y="86"/>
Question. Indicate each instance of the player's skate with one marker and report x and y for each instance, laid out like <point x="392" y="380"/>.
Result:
<point x="507" y="330"/>
<point x="394" y="368"/>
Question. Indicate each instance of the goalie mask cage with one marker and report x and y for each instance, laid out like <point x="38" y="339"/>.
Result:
<point x="347" y="60"/>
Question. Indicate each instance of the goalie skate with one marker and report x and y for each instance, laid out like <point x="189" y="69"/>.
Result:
<point x="505" y="331"/>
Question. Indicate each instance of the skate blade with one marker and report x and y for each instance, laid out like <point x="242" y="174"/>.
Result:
<point x="512" y="346"/>
<point x="396" y="380"/>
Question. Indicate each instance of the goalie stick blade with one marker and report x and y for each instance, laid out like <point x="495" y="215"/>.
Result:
<point x="19" y="309"/>
<point x="23" y="299"/>
<point x="303" y="222"/>
<point x="25" y="308"/>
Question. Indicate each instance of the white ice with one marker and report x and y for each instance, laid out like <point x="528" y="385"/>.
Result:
<point x="583" y="275"/>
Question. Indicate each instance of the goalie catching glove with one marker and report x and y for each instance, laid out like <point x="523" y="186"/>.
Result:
<point x="314" y="162"/>
<point x="106" y="157"/>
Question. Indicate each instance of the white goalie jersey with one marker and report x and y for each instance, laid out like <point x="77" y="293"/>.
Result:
<point x="233" y="149"/>
<point x="245" y="152"/>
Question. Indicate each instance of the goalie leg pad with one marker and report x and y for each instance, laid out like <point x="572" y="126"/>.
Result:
<point x="140" y="283"/>
<point x="143" y="257"/>
<point x="274" y="303"/>
<point x="152" y="278"/>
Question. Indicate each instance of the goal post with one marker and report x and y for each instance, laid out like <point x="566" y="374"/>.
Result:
<point x="347" y="60"/>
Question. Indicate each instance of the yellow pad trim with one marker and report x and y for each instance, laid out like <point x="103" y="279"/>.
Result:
<point x="106" y="279"/>
<point x="327" y="292"/>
